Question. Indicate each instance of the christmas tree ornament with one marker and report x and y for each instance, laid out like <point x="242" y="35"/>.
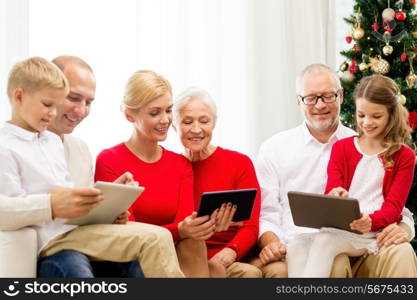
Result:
<point x="348" y="39"/>
<point x="379" y="65"/>
<point x="356" y="48"/>
<point x="353" y="67"/>
<point x="388" y="14"/>
<point x="402" y="99"/>
<point x="348" y="77"/>
<point x="403" y="57"/>
<point x="400" y="15"/>
<point x="411" y="79"/>
<point x="375" y="26"/>
<point x="343" y="66"/>
<point x="358" y="33"/>
<point x="412" y="2"/>
<point x="387" y="50"/>
<point x="363" y="66"/>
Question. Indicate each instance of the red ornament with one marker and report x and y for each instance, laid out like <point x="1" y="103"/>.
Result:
<point x="356" y="48"/>
<point x="375" y="26"/>
<point x="412" y="119"/>
<point x="412" y="2"/>
<point x="348" y="39"/>
<point x="403" y="57"/>
<point x="353" y="67"/>
<point x="400" y="15"/>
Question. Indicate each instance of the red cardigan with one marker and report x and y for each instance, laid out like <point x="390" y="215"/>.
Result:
<point x="168" y="195"/>
<point x="397" y="181"/>
<point x="228" y="170"/>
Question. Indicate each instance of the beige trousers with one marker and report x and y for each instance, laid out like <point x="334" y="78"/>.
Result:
<point x="243" y="270"/>
<point x="151" y="245"/>
<point x="394" y="261"/>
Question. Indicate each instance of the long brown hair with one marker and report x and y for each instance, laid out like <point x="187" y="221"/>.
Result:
<point x="383" y="90"/>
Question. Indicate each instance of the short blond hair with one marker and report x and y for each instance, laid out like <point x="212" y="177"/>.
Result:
<point x="34" y="74"/>
<point x="143" y="87"/>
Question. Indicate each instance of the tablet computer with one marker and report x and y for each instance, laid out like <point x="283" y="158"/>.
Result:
<point x="243" y="199"/>
<point x="117" y="199"/>
<point x="318" y="210"/>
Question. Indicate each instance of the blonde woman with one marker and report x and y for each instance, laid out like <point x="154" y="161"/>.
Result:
<point x="167" y="177"/>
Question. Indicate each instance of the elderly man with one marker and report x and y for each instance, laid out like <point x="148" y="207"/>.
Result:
<point x="297" y="159"/>
<point x="130" y="242"/>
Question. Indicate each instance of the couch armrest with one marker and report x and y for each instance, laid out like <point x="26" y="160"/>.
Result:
<point x="18" y="253"/>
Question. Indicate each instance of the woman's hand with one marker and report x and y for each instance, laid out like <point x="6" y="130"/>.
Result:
<point x="224" y="217"/>
<point x="393" y="234"/>
<point x="123" y="218"/>
<point x="126" y="178"/>
<point x="197" y="228"/>
<point x="339" y="191"/>
<point x="364" y="224"/>
<point x="225" y="257"/>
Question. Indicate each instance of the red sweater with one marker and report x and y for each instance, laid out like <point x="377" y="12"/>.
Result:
<point x="228" y="170"/>
<point x="168" y="195"/>
<point x="396" y="184"/>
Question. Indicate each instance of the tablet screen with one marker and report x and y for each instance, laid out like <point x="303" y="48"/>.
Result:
<point x="243" y="199"/>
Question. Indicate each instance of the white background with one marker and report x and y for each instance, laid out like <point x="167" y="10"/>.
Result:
<point x="246" y="53"/>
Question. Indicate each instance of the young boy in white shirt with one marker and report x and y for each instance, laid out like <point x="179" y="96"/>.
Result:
<point x="32" y="161"/>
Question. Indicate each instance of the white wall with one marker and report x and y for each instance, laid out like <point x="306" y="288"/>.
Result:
<point x="246" y="53"/>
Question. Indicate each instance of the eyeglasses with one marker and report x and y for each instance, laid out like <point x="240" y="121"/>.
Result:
<point x="313" y="99"/>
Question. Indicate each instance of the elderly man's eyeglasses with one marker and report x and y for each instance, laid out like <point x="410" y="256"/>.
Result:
<point x="326" y="98"/>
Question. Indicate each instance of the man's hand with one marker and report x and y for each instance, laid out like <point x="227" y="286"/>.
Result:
<point x="364" y="224"/>
<point x="126" y="178"/>
<point x="71" y="203"/>
<point x="225" y="257"/>
<point x="339" y="191"/>
<point x="393" y="235"/>
<point x="274" y="251"/>
<point x="123" y="218"/>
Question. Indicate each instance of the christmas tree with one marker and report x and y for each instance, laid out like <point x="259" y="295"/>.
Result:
<point x="383" y="40"/>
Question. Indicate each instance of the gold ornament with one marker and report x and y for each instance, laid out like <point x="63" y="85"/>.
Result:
<point x="414" y="33"/>
<point x="402" y="99"/>
<point x="343" y="66"/>
<point x="363" y="66"/>
<point x="379" y="65"/>
<point x="358" y="33"/>
<point x="411" y="79"/>
<point x="387" y="50"/>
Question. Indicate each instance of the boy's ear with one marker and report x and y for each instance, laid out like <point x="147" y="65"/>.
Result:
<point x="17" y="96"/>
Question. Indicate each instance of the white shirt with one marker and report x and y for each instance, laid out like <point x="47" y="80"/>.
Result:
<point x="295" y="160"/>
<point x="31" y="164"/>
<point x="18" y="212"/>
<point x="79" y="161"/>
<point x="370" y="194"/>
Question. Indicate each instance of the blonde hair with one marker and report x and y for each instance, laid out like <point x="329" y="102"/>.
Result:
<point x="193" y="94"/>
<point x="143" y="87"/>
<point x="383" y="90"/>
<point x="34" y="74"/>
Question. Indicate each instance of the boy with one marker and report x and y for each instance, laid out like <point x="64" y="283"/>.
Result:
<point x="32" y="162"/>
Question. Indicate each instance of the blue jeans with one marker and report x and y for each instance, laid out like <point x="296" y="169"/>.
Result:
<point x="74" y="264"/>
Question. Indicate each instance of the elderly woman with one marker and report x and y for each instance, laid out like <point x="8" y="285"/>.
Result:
<point x="217" y="169"/>
<point x="167" y="177"/>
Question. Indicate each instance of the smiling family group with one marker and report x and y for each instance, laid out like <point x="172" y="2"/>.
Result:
<point x="46" y="177"/>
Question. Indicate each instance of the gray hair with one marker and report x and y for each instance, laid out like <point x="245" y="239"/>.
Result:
<point x="314" y="69"/>
<point x="193" y="94"/>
